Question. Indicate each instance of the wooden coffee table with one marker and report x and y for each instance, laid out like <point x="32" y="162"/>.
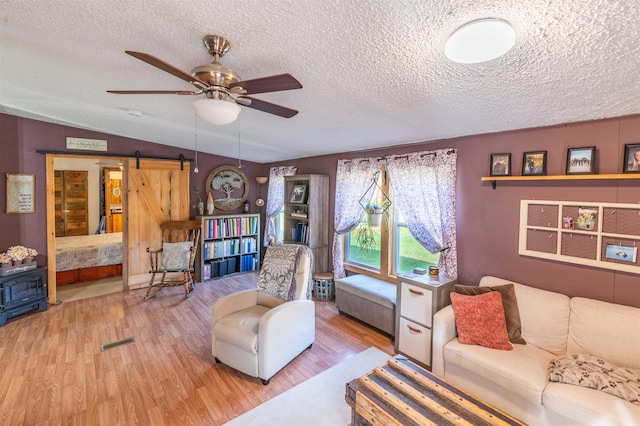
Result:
<point x="402" y="393"/>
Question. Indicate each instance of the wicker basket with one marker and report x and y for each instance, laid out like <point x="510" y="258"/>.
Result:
<point x="323" y="286"/>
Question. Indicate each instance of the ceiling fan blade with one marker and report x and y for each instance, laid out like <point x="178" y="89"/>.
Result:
<point x="153" y="92"/>
<point x="159" y="63"/>
<point x="265" y="106"/>
<point x="274" y="83"/>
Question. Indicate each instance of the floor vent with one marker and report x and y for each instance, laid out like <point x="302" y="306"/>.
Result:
<point x="118" y="343"/>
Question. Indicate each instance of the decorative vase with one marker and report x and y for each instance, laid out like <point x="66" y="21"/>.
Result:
<point x="17" y="262"/>
<point x="210" y="207"/>
<point x="27" y="259"/>
<point x="5" y="265"/>
<point x="201" y="208"/>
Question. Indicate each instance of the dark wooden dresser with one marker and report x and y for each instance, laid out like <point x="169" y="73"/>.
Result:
<point x="22" y="292"/>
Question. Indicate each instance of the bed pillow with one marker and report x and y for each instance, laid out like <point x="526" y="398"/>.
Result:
<point x="509" y="303"/>
<point x="176" y="255"/>
<point x="480" y="320"/>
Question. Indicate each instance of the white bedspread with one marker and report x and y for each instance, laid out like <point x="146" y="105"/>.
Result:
<point x="85" y="251"/>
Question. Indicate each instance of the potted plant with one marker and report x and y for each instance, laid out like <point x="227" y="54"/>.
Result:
<point x="366" y="233"/>
<point x="375" y="210"/>
<point x="374" y="213"/>
<point x="5" y="260"/>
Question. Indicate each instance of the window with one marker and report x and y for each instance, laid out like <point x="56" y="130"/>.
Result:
<point x="356" y="254"/>
<point x="388" y="249"/>
<point x="280" y="226"/>
<point x="407" y="252"/>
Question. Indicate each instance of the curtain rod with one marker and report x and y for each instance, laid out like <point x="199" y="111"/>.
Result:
<point x="137" y="155"/>
<point x="398" y="157"/>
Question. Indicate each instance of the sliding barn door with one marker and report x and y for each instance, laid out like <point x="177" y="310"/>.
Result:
<point x="157" y="191"/>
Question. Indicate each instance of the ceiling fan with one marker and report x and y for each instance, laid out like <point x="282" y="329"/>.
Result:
<point x="221" y="85"/>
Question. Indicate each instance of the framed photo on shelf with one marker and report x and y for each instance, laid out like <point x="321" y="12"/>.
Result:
<point x="534" y="163"/>
<point x="298" y="194"/>
<point x="500" y="165"/>
<point x="581" y="161"/>
<point x="631" y="160"/>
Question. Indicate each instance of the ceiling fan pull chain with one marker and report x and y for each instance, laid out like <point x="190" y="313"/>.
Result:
<point x="239" y="160"/>
<point x="195" y="169"/>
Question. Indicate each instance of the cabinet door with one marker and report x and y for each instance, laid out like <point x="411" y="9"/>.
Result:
<point x="415" y="341"/>
<point x="416" y="303"/>
<point x="23" y="289"/>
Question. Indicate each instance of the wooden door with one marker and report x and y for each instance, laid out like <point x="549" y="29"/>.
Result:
<point x="157" y="191"/>
<point x="112" y="200"/>
<point x="71" y="203"/>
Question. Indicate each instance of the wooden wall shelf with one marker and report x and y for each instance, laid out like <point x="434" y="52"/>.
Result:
<point x="494" y="179"/>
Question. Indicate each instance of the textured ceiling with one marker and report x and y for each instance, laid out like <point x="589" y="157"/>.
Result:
<point x="374" y="71"/>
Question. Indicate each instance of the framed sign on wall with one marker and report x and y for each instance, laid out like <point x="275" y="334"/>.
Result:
<point x="21" y="193"/>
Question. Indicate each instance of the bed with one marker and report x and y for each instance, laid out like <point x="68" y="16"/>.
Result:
<point x="88" y="257"/>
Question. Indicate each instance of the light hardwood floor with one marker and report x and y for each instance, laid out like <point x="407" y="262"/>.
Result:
<point x="53" y="370"/>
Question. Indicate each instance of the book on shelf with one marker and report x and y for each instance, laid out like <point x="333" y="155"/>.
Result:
<point x="300" y="233"/>
<point x="230" y="227"/>
<point x="249" y="262"/>
<point x="299" y="215"/>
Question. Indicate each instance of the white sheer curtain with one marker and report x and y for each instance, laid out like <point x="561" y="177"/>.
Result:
<point x="424" y="187"/>
<point x="353" y="177"/>
<point x="275" y="198"/>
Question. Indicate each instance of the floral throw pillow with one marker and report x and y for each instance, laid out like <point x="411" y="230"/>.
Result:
<point x="176" y="256"/>
<point x="480" y="320"/>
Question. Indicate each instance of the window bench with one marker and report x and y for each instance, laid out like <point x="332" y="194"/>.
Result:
<point x="371" y="300"/>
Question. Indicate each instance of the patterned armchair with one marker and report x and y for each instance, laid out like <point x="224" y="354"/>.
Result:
<point x="259" y="331"/>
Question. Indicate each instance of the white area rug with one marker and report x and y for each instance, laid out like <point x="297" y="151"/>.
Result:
<point x="317" y="401"/>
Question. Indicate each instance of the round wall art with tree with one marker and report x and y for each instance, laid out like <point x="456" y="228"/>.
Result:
<point x="228" y="186"/>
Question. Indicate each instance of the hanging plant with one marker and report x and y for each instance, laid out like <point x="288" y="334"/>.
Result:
<point x="375" y="211"/>
<point x="366" y="236"/>
<point x="375" y="204"/>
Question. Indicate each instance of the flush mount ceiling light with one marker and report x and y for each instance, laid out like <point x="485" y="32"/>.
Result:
<point x="480" y="41"/>
<point x="216" y="111"/>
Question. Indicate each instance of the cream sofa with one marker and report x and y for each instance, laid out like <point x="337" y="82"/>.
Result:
<point x="554" y="326"/>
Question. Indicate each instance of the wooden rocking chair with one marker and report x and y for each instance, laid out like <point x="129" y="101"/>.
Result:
<point x="176" y="257"/>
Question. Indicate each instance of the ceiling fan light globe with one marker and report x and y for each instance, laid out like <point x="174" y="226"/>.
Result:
<point x="480" y="41"/>
<point x="216" y="111"/>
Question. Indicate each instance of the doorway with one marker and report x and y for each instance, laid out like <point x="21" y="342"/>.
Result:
<point x="77" y="210"/>
<point x="153" y="190"/>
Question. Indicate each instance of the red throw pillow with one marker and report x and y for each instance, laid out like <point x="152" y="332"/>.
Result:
<point x="480" y="320"/>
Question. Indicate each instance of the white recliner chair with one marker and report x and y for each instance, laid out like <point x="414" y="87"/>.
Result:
<point x="259" y="331"/>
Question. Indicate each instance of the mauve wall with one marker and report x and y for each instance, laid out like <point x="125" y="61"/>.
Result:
<point x="20" y="139"/>
<point x="488" y="220"/>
